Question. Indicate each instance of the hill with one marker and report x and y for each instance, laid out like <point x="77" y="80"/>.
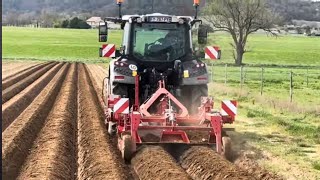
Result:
<point x="47" y="12"/>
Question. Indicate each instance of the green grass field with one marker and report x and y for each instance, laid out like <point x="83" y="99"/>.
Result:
<point x="275" y="50"/>
<point x="53" y="44"/>
<point x="276" y="83"/>
<point x="82" y="45"/>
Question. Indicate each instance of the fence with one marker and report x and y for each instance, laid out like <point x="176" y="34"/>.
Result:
<point x="285" y="81"/>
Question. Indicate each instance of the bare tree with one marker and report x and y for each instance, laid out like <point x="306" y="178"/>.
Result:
<point x="240" y="18"/>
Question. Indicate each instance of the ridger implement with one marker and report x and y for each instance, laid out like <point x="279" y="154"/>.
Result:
<point x="156" y="91"/>
<point x="168" y="124"/>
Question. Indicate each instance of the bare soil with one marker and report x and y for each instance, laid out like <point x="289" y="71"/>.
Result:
<point x="14" y="107"/>
<point x="97" y="158"/>
<point x="18" y="138"/>
<point x="153" y="162"/>
<point x="14" y="89"/>
<point x="10" y="69"/>
<point x="20" y="75"/>
<point x="203" y="163"/>
<point x="53" y="154"/>
<point x="53" y="128"/>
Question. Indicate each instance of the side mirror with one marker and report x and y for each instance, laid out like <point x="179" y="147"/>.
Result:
<point x="103" y="32"/>
<point x="100" y="52"/>
<point x="219" y="54"/>
<point x="202" y="35"/>
<point x="118" y="53"/>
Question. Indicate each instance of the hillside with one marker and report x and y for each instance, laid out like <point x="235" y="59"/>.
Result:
<point x="21" y="12"/>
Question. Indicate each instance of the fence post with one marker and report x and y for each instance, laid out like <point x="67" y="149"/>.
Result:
<point x="262" y="80"/>
<point x="212" y="71"/>
<point x="291" y="86"/>
<point x="225" y="75"/>
<point x="308" y="77"/>
<point x="241" y="76"/>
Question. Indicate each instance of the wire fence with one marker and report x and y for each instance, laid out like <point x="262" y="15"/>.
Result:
<point x="287" y="81"/>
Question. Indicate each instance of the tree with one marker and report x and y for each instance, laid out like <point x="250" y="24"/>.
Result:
<point x="83" y="25"/>
<point x="77" y="23"/>
<point x="74" y="22"/>
<point x="308" y="30"/>
<point x="65" y="23"/>
<point x="239" y="18"/>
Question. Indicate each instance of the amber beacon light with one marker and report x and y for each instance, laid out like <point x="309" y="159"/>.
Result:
<point x="196" y="4"/>
<point x="119" y="2"/>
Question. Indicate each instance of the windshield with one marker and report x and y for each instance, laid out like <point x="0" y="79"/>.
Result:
<point x="159" y="41"/>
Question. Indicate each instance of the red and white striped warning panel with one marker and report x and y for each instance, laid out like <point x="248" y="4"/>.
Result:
<point x="121" y="106"/>
<point x="229" y="108"/>
<point x="212" y="52"/>
<point x="108" y="50"/>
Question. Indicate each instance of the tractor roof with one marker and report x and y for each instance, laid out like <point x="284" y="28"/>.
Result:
<point x="127" y="17"/>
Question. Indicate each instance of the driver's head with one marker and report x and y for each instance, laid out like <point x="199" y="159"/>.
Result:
<point x="171" y="34"/>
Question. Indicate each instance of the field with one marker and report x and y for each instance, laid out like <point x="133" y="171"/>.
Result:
<point x="67" y="44"/>
<point x="53" y="121"/>
<point x="53" y="128"/>
<point x="53" y="44"/>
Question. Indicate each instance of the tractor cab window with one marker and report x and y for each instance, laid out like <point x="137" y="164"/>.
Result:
<point x="159" y="42"/>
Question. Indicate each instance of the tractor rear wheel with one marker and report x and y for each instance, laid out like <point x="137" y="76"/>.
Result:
<point x="227" y="148"/>
<point x="196" y="92"/>
<point x="127" y="148"/>
<point x="120" y="89"/>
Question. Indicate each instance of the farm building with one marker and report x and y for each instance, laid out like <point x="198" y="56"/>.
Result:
<point x="94" y="23"/>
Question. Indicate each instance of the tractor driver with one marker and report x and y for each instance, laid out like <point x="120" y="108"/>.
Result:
<point x="165" y="47"/>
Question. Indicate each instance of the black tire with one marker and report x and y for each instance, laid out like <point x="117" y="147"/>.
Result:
<point x="120" y="89"/>
<point x="127" y="150"/>
<point x="196" y="92"/>
<point x="105" y="91"/>
<point x="227" y="148"/>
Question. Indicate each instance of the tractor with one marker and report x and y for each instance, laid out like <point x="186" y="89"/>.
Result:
<point x="156" y="90"/>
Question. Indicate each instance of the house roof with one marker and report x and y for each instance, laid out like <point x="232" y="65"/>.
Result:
<point x="94" y="19"/>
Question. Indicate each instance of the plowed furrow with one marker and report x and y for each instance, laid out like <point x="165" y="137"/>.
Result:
<point x="96" y="156"/>
<point x="8" y="81"/>
<point x="14" y="107"/>
<point x="11" y="68"/>
<point x="15" y="70"/>
<point x="155" y="163"/>
<point x="11" y="91"/>
<point x="18" y="138"/>
<point x="98" y="77"/>
<point x="205" y="163"/>
<point x="53" y="155"/>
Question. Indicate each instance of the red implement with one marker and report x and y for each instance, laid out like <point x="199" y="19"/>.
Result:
<point x="169" y="123"/>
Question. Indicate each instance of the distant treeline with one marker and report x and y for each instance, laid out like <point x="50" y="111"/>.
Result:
<point x="296" y="9"/>
<point x="50" y="13"/>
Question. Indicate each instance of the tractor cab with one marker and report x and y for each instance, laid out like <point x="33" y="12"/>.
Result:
<point x="156" y="37"/>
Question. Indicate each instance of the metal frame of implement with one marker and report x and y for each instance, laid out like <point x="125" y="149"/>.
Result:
<point x="172" y="125"/>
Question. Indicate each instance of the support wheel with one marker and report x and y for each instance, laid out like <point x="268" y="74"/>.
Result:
<point x="227" y="148"/>
<point x="127" y="148"/>
<point x="112" y="128"/>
